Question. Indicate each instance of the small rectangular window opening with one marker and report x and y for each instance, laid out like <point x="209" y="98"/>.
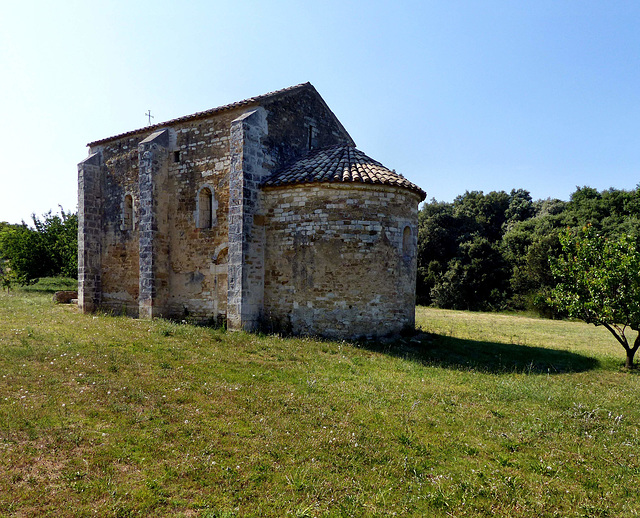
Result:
<point x="406" y="241"/>
<point x="310" y="141"/>
<point x="205" y="208"/>
<point x="127" y="219"/>
<point x="176" y="157"/>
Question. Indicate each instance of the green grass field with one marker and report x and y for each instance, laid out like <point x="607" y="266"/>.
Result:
<point x="482" y="415"/>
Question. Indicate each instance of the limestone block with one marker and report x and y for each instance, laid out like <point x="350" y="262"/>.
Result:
<point x="65" y="297"/>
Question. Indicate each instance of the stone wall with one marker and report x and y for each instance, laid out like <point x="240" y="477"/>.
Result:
<point x="193" y="279"/>
<point x="297" y="123"/>
<point x="198" y="256"/>
<point x="119" y="257"/>
<point x="263" y="140"/>
<point x="163" y="262"/>
<point x="340" y="259"/>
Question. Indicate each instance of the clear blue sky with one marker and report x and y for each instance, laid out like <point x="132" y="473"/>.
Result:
<point x="456" y="95"/>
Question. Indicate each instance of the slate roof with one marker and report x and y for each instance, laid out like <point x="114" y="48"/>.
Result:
<point x="207" y="113"/>
<point x="339" y="164"/>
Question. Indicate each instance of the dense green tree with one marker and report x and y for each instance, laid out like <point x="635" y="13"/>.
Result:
<point x="48" y="249"/>
<point x="483" y="214"/>
<point x="599" y="283"/>
<point x="527" y="246"/>
<point x="460" y="264"/>
<point x="59" y="234"/>
<point x="521" y="207"/>
<point x="492" y="250"/>
<point x="23" y="252"/>
<point x="438" y="231"/>
<point x="475" y="279"/>
<point x="7" y="276"/>
<point x="606" y="211"/>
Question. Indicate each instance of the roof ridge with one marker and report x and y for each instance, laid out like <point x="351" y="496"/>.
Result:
<point x="206" y="113"/>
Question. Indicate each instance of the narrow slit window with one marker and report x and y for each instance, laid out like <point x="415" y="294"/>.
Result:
<point x="205" y="206"/>
<point x="406" y="241"/>
<point x="176" y="157"/>
<point x="127" y="216"/>
<point x="310" y="138"/>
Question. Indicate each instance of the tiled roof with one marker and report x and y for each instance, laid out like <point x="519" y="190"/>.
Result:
<point x="207" y="113"/>
<point x="339" y="164"/>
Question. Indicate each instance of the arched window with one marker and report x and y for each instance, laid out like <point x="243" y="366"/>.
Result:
<point x="406" y="241"/>
<point x="205" y="208"/>
<point x="127" y="213"/>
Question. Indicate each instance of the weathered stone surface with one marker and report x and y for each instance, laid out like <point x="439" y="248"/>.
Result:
<point x="312" y="258"/>
<point x="65" y="297"/>
<point x="336" y="262"/>
<point x="90" y="232"/>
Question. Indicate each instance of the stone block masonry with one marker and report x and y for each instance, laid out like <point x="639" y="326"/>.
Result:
<point x="89" y="233"/>
<point x="192" y="219"/>
<point x="338" y="263"/>
<point x="245" y="239"/>
<point x="153" y="238"/>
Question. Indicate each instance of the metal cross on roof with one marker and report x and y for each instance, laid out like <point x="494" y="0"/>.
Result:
<point x="148" y="114"/>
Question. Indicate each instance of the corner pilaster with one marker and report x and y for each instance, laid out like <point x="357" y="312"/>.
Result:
<point x="246" y="231"/>
<point x="154" y="249"/>
<point x="89" y="232"/>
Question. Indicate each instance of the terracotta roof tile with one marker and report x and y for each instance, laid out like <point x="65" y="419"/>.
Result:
<point x="339" y="164"/>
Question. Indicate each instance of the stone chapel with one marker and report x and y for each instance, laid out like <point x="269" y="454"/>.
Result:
<point x="261" y="214"/>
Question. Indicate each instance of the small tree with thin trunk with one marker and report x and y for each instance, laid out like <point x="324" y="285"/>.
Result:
<point x="599" y="282"/>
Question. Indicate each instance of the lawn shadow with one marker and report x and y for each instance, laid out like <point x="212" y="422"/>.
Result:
<point x="495" y="358"/>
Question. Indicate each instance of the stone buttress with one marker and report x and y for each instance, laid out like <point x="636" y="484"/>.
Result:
<point x="246" y="230"/>
<point x="154" y="231"/>
<point x="89" y="232"/>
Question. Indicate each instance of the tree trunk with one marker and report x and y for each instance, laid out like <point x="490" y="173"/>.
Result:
<point x="631" y="351"/>
<point x="630" y="354"/>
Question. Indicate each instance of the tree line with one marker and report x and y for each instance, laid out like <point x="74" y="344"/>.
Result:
<point x="494" y="251"/>
<point x="49" y="248"/>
